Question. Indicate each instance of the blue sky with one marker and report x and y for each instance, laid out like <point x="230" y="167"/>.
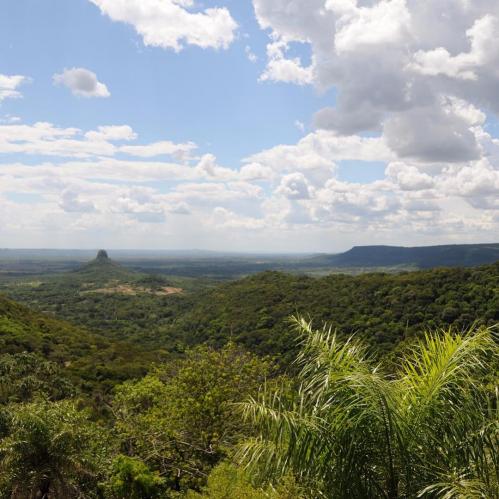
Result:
<point x="211" y="96"/>
<point x="266" y="125"/>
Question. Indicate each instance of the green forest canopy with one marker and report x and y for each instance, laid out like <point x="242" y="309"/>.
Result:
<point x="384" y="309"/>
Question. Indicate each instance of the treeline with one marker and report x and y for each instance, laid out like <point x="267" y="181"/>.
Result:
<point x="158" y="436"/>
<point x="214" y="394"/>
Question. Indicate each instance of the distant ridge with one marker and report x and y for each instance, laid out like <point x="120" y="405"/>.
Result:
<point x="449" y="255"/>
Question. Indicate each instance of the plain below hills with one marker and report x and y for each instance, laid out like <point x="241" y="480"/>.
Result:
<point x="384" y="309"/>
<point x="105" y="297"/>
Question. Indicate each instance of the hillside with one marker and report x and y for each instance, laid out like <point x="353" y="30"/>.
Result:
<point x="93" y="361"/>
<point x="107" y="298"/>
<point x="457" y="255"/>
<point x="383" y="309"/>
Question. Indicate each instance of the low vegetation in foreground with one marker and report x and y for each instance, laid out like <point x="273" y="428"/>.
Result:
<point x="227" y="424"/>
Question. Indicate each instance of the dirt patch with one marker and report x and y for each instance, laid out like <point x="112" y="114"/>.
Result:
<point x="30" y="284"/>
<point x="123" y="289"/>
<point x="127" y="289"/>
<point x="168" y="290"/>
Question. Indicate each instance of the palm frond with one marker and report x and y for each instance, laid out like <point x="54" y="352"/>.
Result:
<point x="359" y="432"/>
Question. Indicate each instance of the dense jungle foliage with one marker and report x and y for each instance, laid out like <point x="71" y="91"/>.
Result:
<point x="92" y="361"/>
<point x="382" y="309"/>
<point x="106" y="297"/>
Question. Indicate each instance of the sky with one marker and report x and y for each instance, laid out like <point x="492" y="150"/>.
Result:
<point x="263" y="125"/>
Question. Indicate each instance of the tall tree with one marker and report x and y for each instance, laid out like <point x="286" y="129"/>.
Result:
<point x="180" y="420"/>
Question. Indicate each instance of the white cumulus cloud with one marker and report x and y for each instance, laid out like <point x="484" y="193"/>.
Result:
<point x="9" y="86"/>
<point x="171" y="24"/>
<point x="281" y="68"/>
<point x="294" y="186"/>
<point x="484" y="49"/>
<point x="407" y="69"/>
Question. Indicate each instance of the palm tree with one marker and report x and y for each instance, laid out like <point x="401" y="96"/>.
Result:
<point x="353" y="430"/>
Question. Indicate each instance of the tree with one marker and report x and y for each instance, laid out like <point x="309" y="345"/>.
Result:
<point x="24" y="376"/>
<point x="180" y="420"/>
<point x="228" y="481"/>
<point x="50" y="450"/>
<point x="356" y="431"/>
<point x="131" y="478"/>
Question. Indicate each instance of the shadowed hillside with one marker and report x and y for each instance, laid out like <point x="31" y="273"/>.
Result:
<point x="93" y="360"/>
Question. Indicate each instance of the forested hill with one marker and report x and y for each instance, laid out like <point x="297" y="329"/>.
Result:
<point x="452" y="255"/>
<point x="93" y="361"/>
<point x="101" y="268"/>
<point x="382" y="308"/>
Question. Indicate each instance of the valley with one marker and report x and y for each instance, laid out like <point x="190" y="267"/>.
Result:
<point x="163" y="311"/>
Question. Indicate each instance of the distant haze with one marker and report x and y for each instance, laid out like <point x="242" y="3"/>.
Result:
<point x="358" y="256"/>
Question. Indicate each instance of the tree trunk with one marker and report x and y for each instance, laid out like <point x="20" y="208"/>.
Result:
<point x="44" y="490"/>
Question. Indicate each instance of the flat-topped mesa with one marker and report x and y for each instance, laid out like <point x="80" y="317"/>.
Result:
<point x="102" y="255"/>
